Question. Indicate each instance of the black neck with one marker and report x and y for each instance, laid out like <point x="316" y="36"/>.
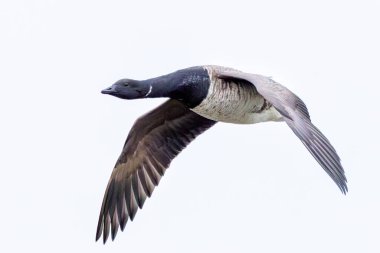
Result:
<point x="188" y="85"/>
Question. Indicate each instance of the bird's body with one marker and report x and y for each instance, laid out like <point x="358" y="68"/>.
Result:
<point x="234" y="101"/>
<point x="199" y="97"/>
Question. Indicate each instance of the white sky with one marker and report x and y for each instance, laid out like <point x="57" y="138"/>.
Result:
<point x="236" y="188"/>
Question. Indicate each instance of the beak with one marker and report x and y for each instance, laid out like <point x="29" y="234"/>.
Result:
<point x="109" y="90"/>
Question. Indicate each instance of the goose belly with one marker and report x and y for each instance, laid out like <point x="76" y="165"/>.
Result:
<point x="236" y="103"/>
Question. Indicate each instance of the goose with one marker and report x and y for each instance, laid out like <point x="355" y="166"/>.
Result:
<point x="198" y="98"/>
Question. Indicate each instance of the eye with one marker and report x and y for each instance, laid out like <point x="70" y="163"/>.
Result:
<point x="125" y="84"/>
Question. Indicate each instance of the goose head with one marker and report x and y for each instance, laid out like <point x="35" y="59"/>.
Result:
<point x="128" y="89"/>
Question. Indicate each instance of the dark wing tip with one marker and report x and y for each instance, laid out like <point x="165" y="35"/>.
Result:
<point x="321" y="149"/>
<point x="99" y="229"/>
<point x="344" y="188"/>
<point x="122" y="199"/>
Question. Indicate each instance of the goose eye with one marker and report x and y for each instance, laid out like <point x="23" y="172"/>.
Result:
<point x="126" y="84"/>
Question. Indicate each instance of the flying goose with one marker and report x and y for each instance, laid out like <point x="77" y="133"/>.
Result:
<point x="198" y="98"/>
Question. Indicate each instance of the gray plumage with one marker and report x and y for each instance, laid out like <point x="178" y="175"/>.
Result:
<point x="199" y="97"/>
<point x="296" y="115"/>
<point x="154" y="140"/>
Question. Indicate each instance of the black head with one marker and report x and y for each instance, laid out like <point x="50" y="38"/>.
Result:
<point x="128" y="89"/>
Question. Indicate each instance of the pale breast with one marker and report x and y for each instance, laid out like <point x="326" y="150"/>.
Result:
<point x="235" y="102"/>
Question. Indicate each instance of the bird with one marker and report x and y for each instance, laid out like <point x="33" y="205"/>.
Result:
<point x="198" y="98"/>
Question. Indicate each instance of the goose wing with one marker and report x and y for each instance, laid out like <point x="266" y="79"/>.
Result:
<point x="152" y="143"/>
<point x="296" y="115"/>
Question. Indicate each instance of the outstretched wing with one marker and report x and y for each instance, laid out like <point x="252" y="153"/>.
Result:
<point x="296" y="115"/>
<point x="152" y="143"/>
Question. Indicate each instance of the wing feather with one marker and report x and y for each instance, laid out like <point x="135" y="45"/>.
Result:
<point x="296" y="115"/>
<point x="153" y="142"/>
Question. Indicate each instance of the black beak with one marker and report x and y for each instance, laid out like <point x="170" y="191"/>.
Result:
<point x="109" y="90"/>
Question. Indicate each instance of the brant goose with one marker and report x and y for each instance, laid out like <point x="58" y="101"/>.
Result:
<point x="198" y="98"/>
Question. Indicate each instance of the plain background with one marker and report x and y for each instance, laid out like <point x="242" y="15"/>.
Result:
<point x="251" y="188"/>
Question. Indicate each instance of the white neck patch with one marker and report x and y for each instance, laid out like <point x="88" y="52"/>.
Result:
<point x="150" y="90"/>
